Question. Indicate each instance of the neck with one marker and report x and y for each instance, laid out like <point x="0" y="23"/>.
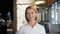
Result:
<point x="32" y="23"/>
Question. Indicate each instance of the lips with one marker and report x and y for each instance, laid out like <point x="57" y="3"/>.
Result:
<point x="30" y="17"/>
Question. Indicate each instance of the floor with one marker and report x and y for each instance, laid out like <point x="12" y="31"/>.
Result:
<point x="53" y="33"/>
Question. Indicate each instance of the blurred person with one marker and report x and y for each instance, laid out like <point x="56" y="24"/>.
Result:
<point x="10" y="26"/>
<point x="2" y="21"/>
<point x="3" y="26"/>
<point x="32" y="27"/>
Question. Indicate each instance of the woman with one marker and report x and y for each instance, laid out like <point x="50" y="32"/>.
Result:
<point x="32" y="27"/>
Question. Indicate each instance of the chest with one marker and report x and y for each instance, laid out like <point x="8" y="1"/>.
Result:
<point x="33" y="31"/>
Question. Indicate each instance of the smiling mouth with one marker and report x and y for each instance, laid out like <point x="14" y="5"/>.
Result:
<point x="30" y="17"/>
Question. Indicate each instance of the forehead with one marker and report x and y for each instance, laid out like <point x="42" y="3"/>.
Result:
<point x="30" y="10"/>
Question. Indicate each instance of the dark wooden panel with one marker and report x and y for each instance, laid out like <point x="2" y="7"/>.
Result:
<point x="48" y="3"/>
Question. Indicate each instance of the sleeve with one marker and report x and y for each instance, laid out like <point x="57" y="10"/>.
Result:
<point x="20" y="31"/>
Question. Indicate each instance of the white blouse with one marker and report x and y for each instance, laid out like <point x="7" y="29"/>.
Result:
<point x="27" y="29"/>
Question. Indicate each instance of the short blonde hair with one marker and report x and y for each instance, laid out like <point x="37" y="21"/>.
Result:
<point x="31" y="7"/>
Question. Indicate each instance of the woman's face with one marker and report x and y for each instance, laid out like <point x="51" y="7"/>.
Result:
<point x="31" y="14"/>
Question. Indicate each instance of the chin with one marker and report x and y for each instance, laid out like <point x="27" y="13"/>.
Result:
<point x="31" y="19"/>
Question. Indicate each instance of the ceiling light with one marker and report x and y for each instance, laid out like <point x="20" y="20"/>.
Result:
<point x="39" y="2"/>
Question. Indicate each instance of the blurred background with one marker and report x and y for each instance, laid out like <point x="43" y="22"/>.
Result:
<point x="12" y="15"/>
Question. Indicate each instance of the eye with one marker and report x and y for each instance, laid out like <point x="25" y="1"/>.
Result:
<point x="28" y="13"/>
<point x="32" y="12"/>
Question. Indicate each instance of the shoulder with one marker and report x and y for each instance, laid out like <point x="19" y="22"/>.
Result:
<point x="40" y="26"/>
<point x="23" y="27"/>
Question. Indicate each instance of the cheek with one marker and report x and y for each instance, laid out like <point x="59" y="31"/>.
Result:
<point x="34" y="15"/>
<point x="27" y="16"/>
